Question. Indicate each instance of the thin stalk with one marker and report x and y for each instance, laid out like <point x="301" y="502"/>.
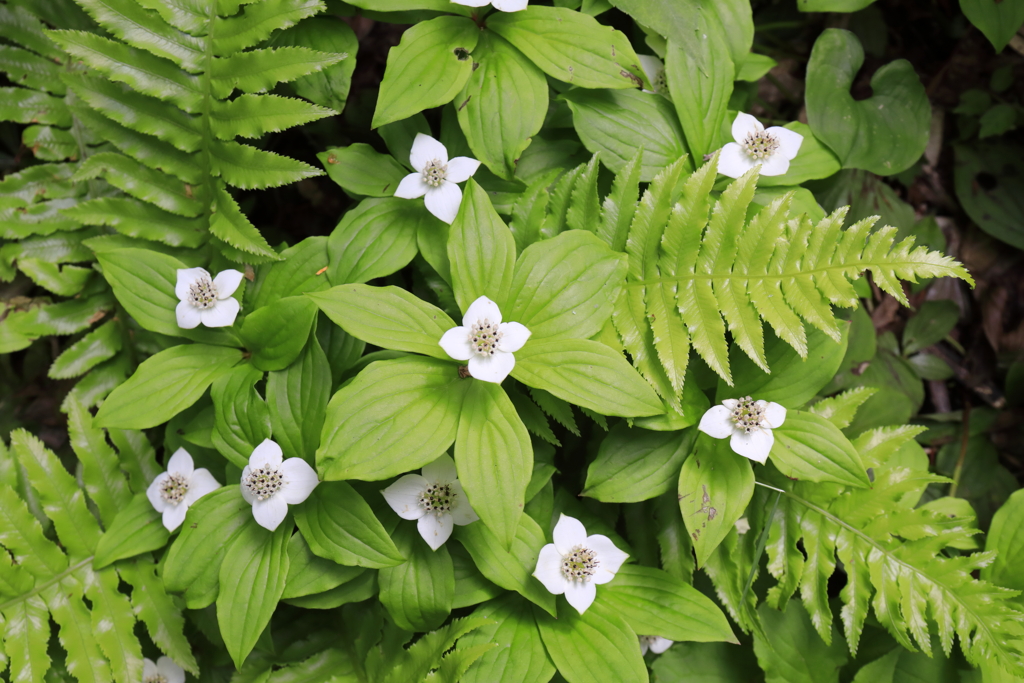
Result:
<point x="965" y="435"/>
<point x="40" y="588"/>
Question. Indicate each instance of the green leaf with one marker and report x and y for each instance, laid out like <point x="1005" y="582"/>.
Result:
<point x="141" y="182"/>
<point x="511" y="569"/>
<point x="242" y="419"/>
<point x="309" y="574"/>
<point x="588" y="374"/>
<point x="258" y="22"/>
<point x="481" y="250"/>
<point x="134" y="218"/>
<point x="1006" y="537"/>
<point x="653" y="602"/>
<point x="137" y="529"/>
<point x="564" y="287"/>
<point x="704" y="81"/>
<point x="932" y="322"/>
<point x="113" y="623"/>
<point x="494" y="458"/>
<point x="339" y="525"/>
<point x="375" y="239"/>
<point x="155" y="608"/>
<point x="230" y="225"/>
<point x="810" y="447"/>
<point x="434" y="52"/>
<point x="596" y="646"/>
<point x="814" y="161"/>
<point x="841" y="408"/>
<point x="617" y="123"/>
<point x="25" y="642"/>
<point x="471" y="588"/>
<point x="520" y="653"/>
<point x="300" y="270"/>
<point x="260" y="70"/>
<point x="791" y="651"/>
<point x="884" y="134"/>
<point x="998" y="21"/>
<point x="328" y="87"/>
<point x="703" y="663"/>
<point x="596" y="56"/>
<point x="101" y="471"/>
<point x="715" y="486"/>
<point x="388" y="317"/>
<point x="249" y="168"/>
<point x="142" y="29"/>
<point x="634" y="464"/>
<point x="361" y="170"/>
<point x="89" y="351"/>
<point x="297" y="397"/>
<point x="997" y="205"/>
<point x="502" y="105"/>
<point x="164" y="385"/>
<point x="397" y="415"/>
<point x="252" y="580"/>
<point x="418" y="593"/>
<point x="276" y="333"/>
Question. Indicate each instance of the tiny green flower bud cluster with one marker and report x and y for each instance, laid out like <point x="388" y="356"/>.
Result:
<point x="437" y="498"/>
<point x="434" y="173"/>
<point x="174" y="488"/>
<point x="659" y="82"/>
<point x="264" y="482"/>
<point x="484" y="337"/>
<point x="579" y="564"/>
<point x="747" y="414"/>
<point x="202" y="293"/>
<point x="760" y="144"/>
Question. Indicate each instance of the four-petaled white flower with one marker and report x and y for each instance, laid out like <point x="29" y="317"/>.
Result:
<point x="434" y="498"/>
<point x="654" y="69"/>
<point x="576" y="563"/>
<point x="173" y="491"/>
<point x="163" y="670"/>
<point x="485" y="341"/>
<point x="500" y="5"/>
<point x="435" y="177"/>
<point x="748" y="422"/>
<point x="205" y="300"/>
<point x="270" y="485"/>
<point x="772" y="148"/>
<point x="655" y="644"/>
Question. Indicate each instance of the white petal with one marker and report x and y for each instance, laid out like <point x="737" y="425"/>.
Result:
<point x="774" y="165"/>
<point x="462" y="512"/>
<point x="731" y="403"/>
<point x="513" y="336"/>
<point x="733" y="161"/>
<point x="717" y="422"/>
<point x="267" y="453"/>
<point x="435" y="529"/>
<point x="221" y="314"/>
<point x="411" y="187"/>
<point x="444" y="200"/>
<point x="170" y="669"/>
<point x="480" y="310"/>
<point x="187" y="315"/>
<point x="461" y="168"/>
<point x="404" y="496"/>
<point x="644" y="644"/>
<point x="610" y="558"/>
<point x="491" y="368"/>
<point x="270" y="513"/>
<point x="148" y="668"/>
<point x="202" y="482"/>
<point x="249" y="498"/>
<point x="299" y="481"/>
<point x="227" y="282"/>
<point x="509" y="5"/>
<point x="549" y="569"/>
<point x="186" y="276"/>
<point x="174" y="515"/>
<point x="181" y="463"/>
<point x="472" y="3"/>
<point x="789" y="141"/>
<point x="756" y="445"/>
<point x="659" y="644"/>
<point x="441" y="471"/>
<point x="153" y="492"/>
<point x="774" y="415"/>
<point x="426" y="149"/>
<point x="568" y="533"/>
<point x="455" y="343"/>
<point x="651" y="66"/>
<point x="743" y="125"/>
<point x="580" y="594"/>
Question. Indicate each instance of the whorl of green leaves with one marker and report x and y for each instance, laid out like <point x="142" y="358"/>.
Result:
<point x="40" y="579"/>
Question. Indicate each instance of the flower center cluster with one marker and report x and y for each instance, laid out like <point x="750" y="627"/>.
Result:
<point x="202" y="293"/>
<point x="484" y="337"/>
<point x="437" y="498"/>
<point x="264" y="482"/>
<point x="435" y="172"/>
<point x="174" y="488"/>
<point x="760" y="144"/>
<point x="659" y="82"/>
<point x="579" y="564"/>
<point x="155" y="678"/>
<point x="747" y="414"/>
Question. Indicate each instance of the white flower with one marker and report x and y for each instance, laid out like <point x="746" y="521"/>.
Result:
<point x="742" y="525"/>
<point x="173" y="491"/>
<point x="576" y="563"/>
<point x="435" y="498"/>
<point x="772" y="148"/>
<point x="205" y="300"/>
<point x="500" y="5"/>
<point x="654" y="69"/>
<point x="655" y="644"/>
<point x="485" y="341"/>
<point x="748" y="422"/>
<point x="435" y="177"/>
<point x="164" y="670"/>
<point x="271" y="485"/>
